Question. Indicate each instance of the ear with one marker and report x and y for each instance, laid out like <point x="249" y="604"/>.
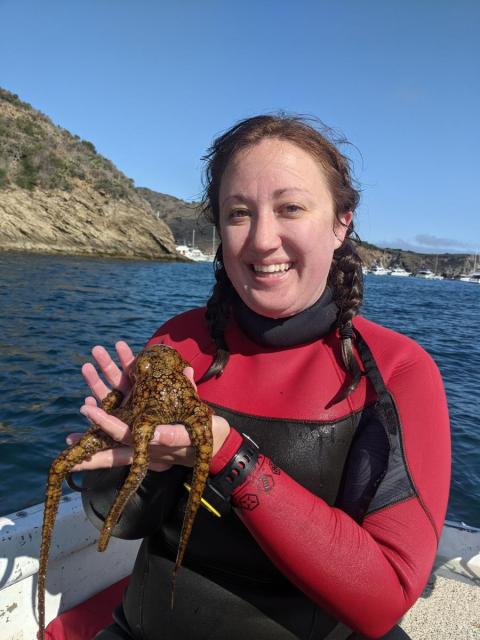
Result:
<point x="341" y="227"/>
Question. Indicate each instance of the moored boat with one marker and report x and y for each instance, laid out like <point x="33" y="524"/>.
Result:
<point x="428" y="274"/>
<point x="471" y="277"/>
<point x="194" y="253"/>
<point x="77" y="571"/>
<point x="400" y="272"/>
<point x="379" y="270"/>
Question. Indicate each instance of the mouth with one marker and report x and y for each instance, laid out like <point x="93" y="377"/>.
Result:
<point x="269" y="269"/>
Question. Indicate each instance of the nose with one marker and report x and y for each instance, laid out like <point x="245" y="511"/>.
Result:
<point x="265" y="233"/>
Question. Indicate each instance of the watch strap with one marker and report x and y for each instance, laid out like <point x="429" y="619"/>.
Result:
<point x="235" y="472"/>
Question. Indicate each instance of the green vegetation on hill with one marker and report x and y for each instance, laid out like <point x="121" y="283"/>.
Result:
<point x="182" y="217"/>
<point x="36" y="153"/>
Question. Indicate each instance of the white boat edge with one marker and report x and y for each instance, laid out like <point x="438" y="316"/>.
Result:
<point x="77" y="571"/>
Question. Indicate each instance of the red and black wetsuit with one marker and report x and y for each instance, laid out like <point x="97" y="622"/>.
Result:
<point x="340" y="519"/>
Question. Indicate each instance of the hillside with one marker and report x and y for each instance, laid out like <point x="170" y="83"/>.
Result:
<point x="182" y="217"/>
<point x="58" y="195"/>
<point x="447" y="264"/>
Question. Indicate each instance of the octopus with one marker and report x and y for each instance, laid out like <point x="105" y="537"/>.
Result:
<point x="160" y="394"/>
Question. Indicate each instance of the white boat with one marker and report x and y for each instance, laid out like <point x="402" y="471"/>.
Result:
<point x="471" y="277"/>
<point x="379" y="270"/>
<point x="400" y="272"/>
<point x="77" y="571"/>
<point x="194" y="253"/>
<point x="428" y="274"/>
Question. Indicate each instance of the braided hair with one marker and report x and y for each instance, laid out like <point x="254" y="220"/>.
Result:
<point x="345" y="277"/>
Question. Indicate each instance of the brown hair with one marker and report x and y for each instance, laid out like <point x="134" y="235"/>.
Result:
<point x="345" y="277"/>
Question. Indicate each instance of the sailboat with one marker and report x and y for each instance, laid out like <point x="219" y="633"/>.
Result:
<point x="194" y="253"/>
<point x="474" y="276"/>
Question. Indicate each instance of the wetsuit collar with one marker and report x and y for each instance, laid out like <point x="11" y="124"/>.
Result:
<point x="306" y="326"/>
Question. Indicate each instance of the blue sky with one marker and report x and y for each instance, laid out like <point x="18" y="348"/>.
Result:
<point x="150" y="83"/>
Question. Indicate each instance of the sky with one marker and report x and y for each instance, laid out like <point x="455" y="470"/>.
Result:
<point x="151" y="83"/>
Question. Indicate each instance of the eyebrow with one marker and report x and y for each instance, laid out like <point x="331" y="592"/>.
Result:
<point x="276" y="194"/>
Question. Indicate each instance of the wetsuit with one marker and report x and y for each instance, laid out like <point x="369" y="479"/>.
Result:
<point x="341" y="517"/>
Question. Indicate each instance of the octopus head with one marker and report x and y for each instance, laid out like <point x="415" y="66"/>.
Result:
<point x="155" y="359"/>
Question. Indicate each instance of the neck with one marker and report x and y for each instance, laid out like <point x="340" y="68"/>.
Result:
<point x="306" y="326"/>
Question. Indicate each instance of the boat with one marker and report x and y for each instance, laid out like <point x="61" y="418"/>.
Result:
<point x="77" y="572"/>
<point x="194" y="253"/>
<point x="471" y="277"/>
<point x="400" y="272"/>
<point x="379" y="270"/>
<point x="428" y="274"/>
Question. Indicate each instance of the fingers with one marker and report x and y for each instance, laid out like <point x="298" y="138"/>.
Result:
<point x="189" y="373"/>
<point x="118" y="457"/>
<point x="116" y="378"/>
<point x="171" y="435"/>
<point x="125" y="354"/>
<point x="108" y="367"/>
<point x="93" y="380"/>
<point x="114" y="427"/>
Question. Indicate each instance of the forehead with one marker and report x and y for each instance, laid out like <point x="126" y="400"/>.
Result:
<point x="273" y="163"/>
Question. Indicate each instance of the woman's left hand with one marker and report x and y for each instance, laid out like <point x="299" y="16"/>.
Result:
<point x="170" y="443"/>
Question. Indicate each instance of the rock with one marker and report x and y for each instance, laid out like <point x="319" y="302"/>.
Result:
<point x="81" y="222"/>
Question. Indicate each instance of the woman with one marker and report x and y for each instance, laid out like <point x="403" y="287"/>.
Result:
<point x="338" y="515"/>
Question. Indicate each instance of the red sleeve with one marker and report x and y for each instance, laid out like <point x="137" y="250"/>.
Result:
<point x="366" y="575"/>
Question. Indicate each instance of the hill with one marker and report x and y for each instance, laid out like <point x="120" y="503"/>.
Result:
<point x="58" y="195"/>
<point x="182" y="217"/>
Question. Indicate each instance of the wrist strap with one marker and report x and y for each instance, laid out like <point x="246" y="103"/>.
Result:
<point x="236" y="471"/>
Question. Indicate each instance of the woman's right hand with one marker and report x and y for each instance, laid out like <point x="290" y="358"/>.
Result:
<point x="117" y="378"/>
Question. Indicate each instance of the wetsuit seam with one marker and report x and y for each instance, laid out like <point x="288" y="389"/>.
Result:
<point x="409" y="474"/>
<point x="390" y="505"/>
<point x="292" y="420"/>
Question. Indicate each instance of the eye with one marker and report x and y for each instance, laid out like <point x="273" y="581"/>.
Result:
<point x="238" y="215"/>
<point x="291" y="210"/>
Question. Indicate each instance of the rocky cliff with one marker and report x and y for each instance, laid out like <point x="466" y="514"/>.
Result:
<point x="58" y="195"/>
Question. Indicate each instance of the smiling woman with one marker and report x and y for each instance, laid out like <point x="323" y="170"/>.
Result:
<point x="278" y="227"/>
<point x="330" y="492"/>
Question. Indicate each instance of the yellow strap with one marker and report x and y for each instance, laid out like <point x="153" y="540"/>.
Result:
<point x="206" y="504"/>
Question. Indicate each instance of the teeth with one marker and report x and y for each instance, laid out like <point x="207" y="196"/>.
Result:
<point x="271" y="268"/>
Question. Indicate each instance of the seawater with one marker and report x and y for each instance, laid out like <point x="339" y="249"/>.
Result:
<point x="54" y="309"/>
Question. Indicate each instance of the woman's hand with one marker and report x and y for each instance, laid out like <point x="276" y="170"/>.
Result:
<point x="117" y="378"/>
<point x="170" y="443"/>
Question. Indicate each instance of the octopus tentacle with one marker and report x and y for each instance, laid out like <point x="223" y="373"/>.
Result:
<point x="93" y="440"/>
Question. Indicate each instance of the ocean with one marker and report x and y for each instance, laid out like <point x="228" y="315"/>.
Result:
<point x="53" y="309"/>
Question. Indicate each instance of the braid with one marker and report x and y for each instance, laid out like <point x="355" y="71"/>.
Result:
<point x="217" y="314"/>
<point x="346" y="280"/>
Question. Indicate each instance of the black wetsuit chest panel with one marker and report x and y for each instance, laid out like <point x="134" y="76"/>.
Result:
<point x="312" y="453"/>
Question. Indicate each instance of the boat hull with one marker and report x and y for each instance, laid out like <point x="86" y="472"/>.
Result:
<point x="77" y="570"/>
